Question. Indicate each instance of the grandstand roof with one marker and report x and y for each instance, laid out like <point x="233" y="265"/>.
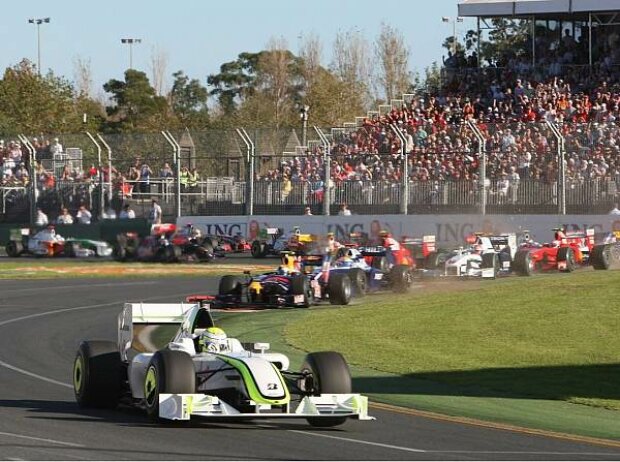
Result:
<point x="499" y="8"/>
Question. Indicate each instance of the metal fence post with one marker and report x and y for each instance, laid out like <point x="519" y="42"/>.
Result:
<point x="176" y="149"/>
<point x="33" y="178"/>
<point x="327" y="166"/>
<point x="109" y="149"/>
<point x="482" y="155"/>
<point x="404" y="200"/>
<point x="561" y="168"/>
<point x="249" y="144"/>
<point x="100" y="171"/>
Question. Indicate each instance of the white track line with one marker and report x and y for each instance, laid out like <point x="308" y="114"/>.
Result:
<point x="64" y="310"/>
<point x="79" y="286"/>
<point x="352" y="440"/>
<point x="44" y="440"/>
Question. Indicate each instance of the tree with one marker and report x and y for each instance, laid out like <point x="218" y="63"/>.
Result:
<point x="235" y="81"/>
<point x="159" y="63"/>
<point x="352" y="66"/>
<point x="137" y="107"/>
<point x="83" y="76"/>
<point x="31" y="103"/>
<point x="188" y="99"/>
<point x="392" y="56"/>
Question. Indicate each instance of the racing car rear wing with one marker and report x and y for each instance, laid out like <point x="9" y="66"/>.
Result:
<point x="140" y="323"/>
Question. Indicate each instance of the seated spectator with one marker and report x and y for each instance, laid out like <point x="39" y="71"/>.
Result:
<point x="41" y="219"/>
<point x="64" y="218"/>
<point x="344" y="210"/>
<point x="127" y="213"/>
<point x="83" y="215"/>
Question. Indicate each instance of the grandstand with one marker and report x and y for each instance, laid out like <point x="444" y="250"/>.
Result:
<point x="535" y="130"/>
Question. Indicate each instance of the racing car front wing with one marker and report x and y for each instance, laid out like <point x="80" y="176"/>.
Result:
<point x="183" y="406"/>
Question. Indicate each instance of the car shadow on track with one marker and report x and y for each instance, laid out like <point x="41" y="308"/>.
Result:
<point x="596" y="381"/>
<point x="69" y="411"/>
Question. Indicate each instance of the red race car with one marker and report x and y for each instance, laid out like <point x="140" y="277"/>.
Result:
<point x="567" y="252"/>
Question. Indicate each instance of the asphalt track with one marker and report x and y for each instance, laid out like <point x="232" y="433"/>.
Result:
<point x="41" y="323"/>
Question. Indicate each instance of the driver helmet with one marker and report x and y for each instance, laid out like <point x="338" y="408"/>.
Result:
<point x="478" y="248"/>
<point x="384" y="235"/>
<point x="213" y="340"/>
<point x="559" y="235"/>
<point x="289" y="264"/>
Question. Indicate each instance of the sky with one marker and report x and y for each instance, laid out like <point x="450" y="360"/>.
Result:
<point x="197" y="36"/>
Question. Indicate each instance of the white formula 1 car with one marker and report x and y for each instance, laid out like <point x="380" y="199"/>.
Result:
<point x="47" y="243"/>
<point x="488" y="256"/>
<point x="157" y="364"/>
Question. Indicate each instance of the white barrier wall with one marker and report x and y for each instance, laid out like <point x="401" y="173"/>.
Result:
<point x="449" y="229"/>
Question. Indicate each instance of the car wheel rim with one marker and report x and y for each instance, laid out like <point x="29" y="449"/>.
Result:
<point x="78" y="374"/>
<point x="150" y="386"/>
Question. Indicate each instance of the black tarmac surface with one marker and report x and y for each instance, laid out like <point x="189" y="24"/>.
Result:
<point x="41" y="324"/>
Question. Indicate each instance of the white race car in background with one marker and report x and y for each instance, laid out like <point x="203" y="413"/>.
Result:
<point x="47" y="243"/>
<point x="156" y="364"/>
<point x="488" y="256"/>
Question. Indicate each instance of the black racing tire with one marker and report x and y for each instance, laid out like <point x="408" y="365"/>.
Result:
<point x="600" y="257"/>
<point x="380" y="263"/>
<point x="339" y="289"/>
<point x="435" y="260"/>
<point x="70" y="250"/>
<point x="326" y="372"/>
<point x="170" y="371"/>
<point x="522" y="264"/>
<point x="14" y="249"/>
<point x="301" y="286"/>
<point x="204" y="252"/>
<point x="97" y="375"/>
<point x="258" y="249"/>
<point x="230" y="285"/>
<point x="173" y="253"/>
<point x="359" y="282"/>
<point x="119" y="253"/>
<point x="491" y="260"/>
<point x="401" y="279"/>
<point x="568" y="255"/>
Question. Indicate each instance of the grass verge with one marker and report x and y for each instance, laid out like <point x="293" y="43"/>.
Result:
<point x="538" y="352"/>
<point x="58" y="269"/>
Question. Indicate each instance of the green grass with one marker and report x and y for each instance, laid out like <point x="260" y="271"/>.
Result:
<point x="542" y="352"/>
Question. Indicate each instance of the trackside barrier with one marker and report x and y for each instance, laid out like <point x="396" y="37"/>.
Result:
<point x="448" y="229"/>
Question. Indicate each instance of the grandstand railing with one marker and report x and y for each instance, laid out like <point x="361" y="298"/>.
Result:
<point x="367" y="172"/>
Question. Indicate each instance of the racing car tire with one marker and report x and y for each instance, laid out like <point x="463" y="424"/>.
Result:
<point x="173" y="253"/>
<point x="97" y="375"/>
<point x="401" y="278"/>
<point x="339" y="289"/>
<point x="119" y="253"/>
<point x="380" y="263"/>
<point x="204" y="252"/>
<point x="258" y="249"/>
<point x="170" y="371"/>
<point x="491" y="260"/>
<point x="329" y="373"/>
<point x="301" y="286"/>
<point x="522" y="264"/>
<point x="568" y="255"/>
<point x="212" y="241"/>
<point x="230" y="285"/>
<point x="70" y="250"/>
<point x="600" y="257"/>
<point x="435" y="260"/>
<point x="14" y="249"/>
<point x="359" y="281"/>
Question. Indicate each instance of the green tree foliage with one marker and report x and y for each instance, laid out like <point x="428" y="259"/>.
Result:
<point x="188" y="99"/>
<point x="30" y="103"/>
<point x="137" y="106"/>
<point x="235" y="81"/>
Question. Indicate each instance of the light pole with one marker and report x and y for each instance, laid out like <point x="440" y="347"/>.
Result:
<point x="453" y="21"/>
<point x="303" y="114"/>
<point x="130" y="42"/>
<point x="38" y="22"/>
